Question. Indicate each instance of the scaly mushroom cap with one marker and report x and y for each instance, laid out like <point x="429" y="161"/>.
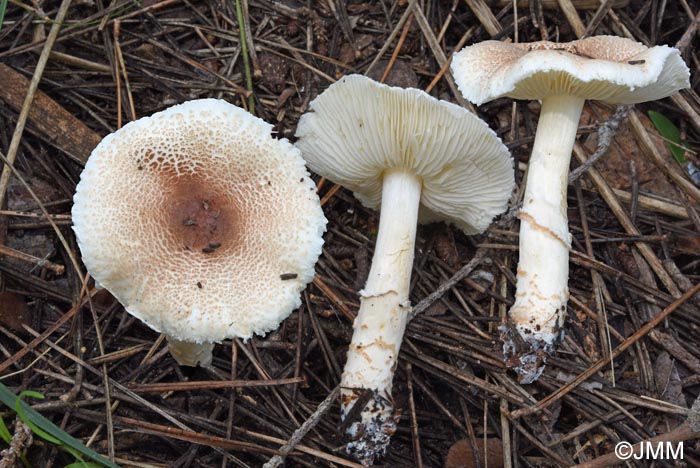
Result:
<point x="199" y="222"/>
<point x="605" y="68"/>
<point x="360" y="128"/>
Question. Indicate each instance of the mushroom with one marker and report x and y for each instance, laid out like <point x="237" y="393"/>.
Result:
<point x="420" y="159"/>
<point x="200" y="223"/>
<point x="606" y="68"/>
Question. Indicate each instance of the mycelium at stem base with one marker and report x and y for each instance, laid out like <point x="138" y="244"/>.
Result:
<point x="381" y="320"/>
<point x="537" y="316"/>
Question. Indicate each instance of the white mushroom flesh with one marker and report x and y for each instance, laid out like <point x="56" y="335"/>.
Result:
<point x="200" y="223"/>
<point x="420" y="159"/>
<point x="543" y="268"/>
<point x="563" y="76"/>
<point x="385" y="306"/>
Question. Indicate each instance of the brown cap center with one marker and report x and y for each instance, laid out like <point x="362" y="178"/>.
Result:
<point x="200" y="218"/>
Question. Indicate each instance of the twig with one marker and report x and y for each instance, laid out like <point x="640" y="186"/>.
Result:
<point x="36" y="261"/>
<point x="48" y="332"/>
<point x="320" y="284"/>
<point x="463" y="40"/>
<point x="636" y="336"/>
<point x="447" y="285"/>
<point x="598" y="17"/>
<point x="21" y="440"/>
<point x="397" y="49"/>
<point x="120" y="66"/>
<point x="654" y="204"/>
<point x="671" y="169"/>
<point x="299" y="434"/>
<point x="29" y="98"/>
<point x="624" y="219"/>
<point x="438" y="53"/>
<point x="606" y="132"/>
<point x="389" y="40"/>
<point x="569" y="11"/>
<point x="329" y="194"/>
<point x="688" y="35"/>
<point x="483" y="13"/>
<point x="53" y="224"/>
<point x="414" y="420"/>
<point x="246" y="57"/>
<point x="210" y="385"/>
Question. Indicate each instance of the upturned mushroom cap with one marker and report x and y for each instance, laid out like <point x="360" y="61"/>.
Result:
<point x="605" y="68"/>
<point x="199" y="222"/>
<point x="359" y="128"/>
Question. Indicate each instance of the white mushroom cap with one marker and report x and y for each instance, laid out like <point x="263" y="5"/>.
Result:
<point x="199" y="222"/>
<point x="605" y="68"/>
<point x="360" y="128"/>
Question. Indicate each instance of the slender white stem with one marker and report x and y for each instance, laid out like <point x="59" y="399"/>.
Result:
<point x="543" y="268"/>
<point x="381" y="320"/>
<point x="187" y="353"/>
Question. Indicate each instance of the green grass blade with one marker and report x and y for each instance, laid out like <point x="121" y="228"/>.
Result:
<point x="23" y="416"/>
<point x="670" y="132"/>
<point x="8" y="398"/>
<point x="3" y="8"/>
<point x="4" y="432"/>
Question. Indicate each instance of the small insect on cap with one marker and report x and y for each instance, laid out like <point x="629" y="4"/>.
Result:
<point x="605" y="68"/>
<point x="199" y="222"/>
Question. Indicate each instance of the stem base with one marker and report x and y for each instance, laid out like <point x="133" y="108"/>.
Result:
<point x="380" y="323"/>
<point x="536" y="319"/>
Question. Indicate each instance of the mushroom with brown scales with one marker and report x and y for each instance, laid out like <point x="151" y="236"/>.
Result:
<point x="200" y="223"/>
<point x="562" y="75"/>
<point x="419" y="159"/>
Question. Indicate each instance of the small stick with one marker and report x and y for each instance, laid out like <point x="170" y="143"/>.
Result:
<point x="572" y="17"/>
<point x="414" y="420"/>
<point x="397" y="50"/>
<point x="389" y="40"/>
<point x="447" y="22"/>
<point x="605" y="135"/>
<point x="613" y="203"/>
<point x="446" y="66"/>
<point x="299" y="434"/>
<point x="438" y="53"/>
<point x="646" y="328"/>
<point x="335" y="300"/>
<point x="121" y="68"/>
<point x="599" y="15"/>
<point x="21" y="440"/>
<point x="331" y="191"/>
<point x="444" y="287"/>
<point x="41" y="338"/>
<point x="29" y="214"/>
<point x="485" y="16"/>
<point x="246" y="57"/>
<point x="29" y="98"/>
<point x="688" y="35"/>
<point x="38" y="262"/>
<point x="649" y="148"/>
<point x="210" y="385"/>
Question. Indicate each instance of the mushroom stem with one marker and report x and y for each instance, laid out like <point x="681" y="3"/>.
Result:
<point x="381" y="320"/>
<point x="543" y="269"/>
<point x="189" y="353"/>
